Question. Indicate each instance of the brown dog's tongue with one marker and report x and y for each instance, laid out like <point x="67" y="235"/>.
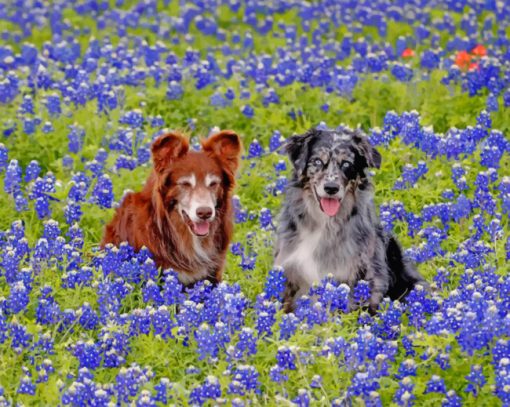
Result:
<point x="330" y="206"/>
<point x="201" y="228"/>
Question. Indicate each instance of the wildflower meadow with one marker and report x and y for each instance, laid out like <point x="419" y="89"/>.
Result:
<point x="86" y="85"/>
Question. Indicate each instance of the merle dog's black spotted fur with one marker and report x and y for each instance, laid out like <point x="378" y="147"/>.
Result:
<point x="328" y="224"/>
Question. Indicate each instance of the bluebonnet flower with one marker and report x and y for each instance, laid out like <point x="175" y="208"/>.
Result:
<point x="20" y="337"/>
<point x="443" y="360"/>
<point x="245" y="379"/>
<point x="266" y="311"/>
<point x="4" y="154"/>
<point x="286" y="358"/>
<point x="27" y="105"/>
<point x="133" y="118"/>
<point x="87" y="317"/>
<point x="26" y="386"/>
<point x="407" y="368"/>
<point x="162" y="389"/>
<point x="303" y="398"/>
<point x="32" y="171"/>
<point x="76" y="137"/>
<point x="275" y="141"/>
<point x="451" y="400"/>
<point x="266" y="219"/>
<point x="230" y="94"/>
<point x="255" y="150"/>
<point x="219" y="100"/>
<point x="12" y="178"/>
<point x="280" y="166"/>
<point x="102" y="193"/>
<point x="30" y="125"/>
<point x="67" y="161"/>
<point x="476" y="380"/>
<point x="404" y="395"/>
<point x="174" y="91"/>
<point x="277" y="374"/>
<point x="402" y="72"/>
<point x="129" y="381"/>
<point x="288" y="326"/>
<point x="484" y="119"/>
<point x="114" y="346"/>
<point x="47" y="128"/>
<point x="210" y="389"/>
<point x="162" y="322"/>
<point x="363" y="384"/>
<point x="247" y="111"/>
<point x="52" y="103"/>
<point x="88" y="354"/>
<point x="247" y="343"/>
<point x="275" y="283"/>
<point x="361" y="292"/>
<point x="19" y="297"/>
<point x="42" y="207"/>
<point x="492" y="103"/>
<point x="442" y="277"/>
<point x="145" y="399"/>
<point x="20" y="202"/>
<point x="435" y="385"/>
<point x="3" y="328"/>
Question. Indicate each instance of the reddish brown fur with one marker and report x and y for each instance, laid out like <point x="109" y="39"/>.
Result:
<point x="149" y="218"/>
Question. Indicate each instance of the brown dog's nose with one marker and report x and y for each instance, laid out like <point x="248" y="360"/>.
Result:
<point x="204" y="212"/>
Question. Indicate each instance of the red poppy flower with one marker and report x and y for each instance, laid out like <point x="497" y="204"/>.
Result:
<point x="479" y="51"/>
<point x="473" y="66"/>
<point x="463" y="59"/>
<point x="407" y="53"/>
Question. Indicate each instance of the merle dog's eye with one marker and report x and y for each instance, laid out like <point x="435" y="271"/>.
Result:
<point x="346" y="165"/>
<point x="318" y="162"/>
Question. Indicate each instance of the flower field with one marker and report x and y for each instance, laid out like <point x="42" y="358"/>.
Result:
<point x="85" y="86"/>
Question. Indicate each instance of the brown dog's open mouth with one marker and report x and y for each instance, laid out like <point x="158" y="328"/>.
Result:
<point x="198" y="228"/>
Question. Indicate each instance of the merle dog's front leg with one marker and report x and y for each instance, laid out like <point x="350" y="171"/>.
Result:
<point x="378" y="278"/>
<point x="289" y="297"/>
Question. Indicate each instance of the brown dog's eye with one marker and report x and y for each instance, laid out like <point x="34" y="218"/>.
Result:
<point x="214" y="184"/>
<point x="185" y="184"/>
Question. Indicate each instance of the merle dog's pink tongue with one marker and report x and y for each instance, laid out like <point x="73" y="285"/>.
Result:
<point x="201" y="228"/>
<point x="330" y="206"/>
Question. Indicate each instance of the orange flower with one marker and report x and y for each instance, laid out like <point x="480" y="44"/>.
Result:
<point x="473" y="66"/>
<point x="407" y="53"/>
<point x="479" y="51"/>
<point x="463" y="59"/>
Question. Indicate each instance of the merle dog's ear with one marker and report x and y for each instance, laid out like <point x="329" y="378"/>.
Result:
<point x="298" y="147"/>
<point x="166" y="148"/>
<point x="372" y="156"/>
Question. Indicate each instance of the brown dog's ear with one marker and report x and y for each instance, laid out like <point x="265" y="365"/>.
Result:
<point x="167" y="147"/>
<point x="226" y="146"/>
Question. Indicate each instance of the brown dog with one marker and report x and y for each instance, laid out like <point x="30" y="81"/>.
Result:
<point x="184" y="214"/>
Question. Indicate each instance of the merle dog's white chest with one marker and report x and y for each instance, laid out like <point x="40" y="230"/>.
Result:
<point x="318" y="253"/>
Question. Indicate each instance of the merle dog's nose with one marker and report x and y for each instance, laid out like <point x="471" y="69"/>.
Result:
<point x="331" y="188"/>
<point x="204" y="212"/>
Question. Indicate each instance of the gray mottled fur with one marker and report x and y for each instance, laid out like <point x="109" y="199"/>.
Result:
<point x="350" y="245"/>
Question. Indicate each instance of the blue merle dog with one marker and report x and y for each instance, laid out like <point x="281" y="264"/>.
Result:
<point x="328" y="224"/>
